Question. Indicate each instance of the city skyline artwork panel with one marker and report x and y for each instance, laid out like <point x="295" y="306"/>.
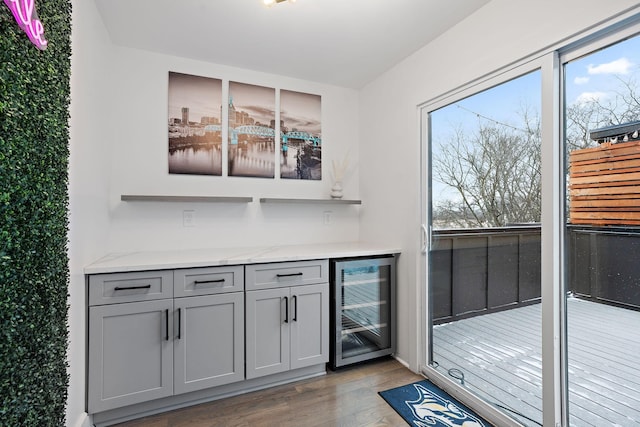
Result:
<point x="194" y="125"/>
<point x="251" y="135"/>
<point x="301" y="135"/>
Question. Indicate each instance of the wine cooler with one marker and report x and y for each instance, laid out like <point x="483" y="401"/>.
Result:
<point x="363" y="309"/>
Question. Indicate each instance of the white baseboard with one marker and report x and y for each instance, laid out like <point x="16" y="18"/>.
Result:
<point x="403" y="363"/>
<point x="84" y="420"/>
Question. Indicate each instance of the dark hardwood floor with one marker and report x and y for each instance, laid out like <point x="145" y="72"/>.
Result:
<point x="348" y="397"/>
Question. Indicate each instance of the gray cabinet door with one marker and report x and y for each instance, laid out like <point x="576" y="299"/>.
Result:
<point x="267" y="332"/>
<point x="130" y="354"/>
<point x="208" y="341"/>
<point x="309" y="325"/>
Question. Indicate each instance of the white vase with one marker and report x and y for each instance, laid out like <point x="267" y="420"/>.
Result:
<point x="336" y="190"/>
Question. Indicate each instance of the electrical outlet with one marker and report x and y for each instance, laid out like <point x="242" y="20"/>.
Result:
<point x="327" y="217"/>
<point x="189" y="218"/>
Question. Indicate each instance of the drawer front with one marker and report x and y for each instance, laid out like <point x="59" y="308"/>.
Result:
<point x="281" y="274"/>
<point x="209" y="280"/>
<point x="116" y="288"/>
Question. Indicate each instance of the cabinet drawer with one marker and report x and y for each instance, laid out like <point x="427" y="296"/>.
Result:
<point x="274" y="275"/>
<point x="209" y="280"/>
<point x="115" y="288"/>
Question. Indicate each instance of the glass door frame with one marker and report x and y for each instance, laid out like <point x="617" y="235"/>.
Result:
<point x="540" y="63"/>
<point x="627" y="27"/>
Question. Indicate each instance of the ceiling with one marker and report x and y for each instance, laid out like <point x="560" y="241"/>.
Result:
<point x="347" y="43"/>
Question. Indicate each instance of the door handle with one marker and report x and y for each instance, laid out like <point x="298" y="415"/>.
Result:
<point x="202" y="282"/>
<point x="425" y="236"/>
<point x="286" y="309"/>
<point x="179" y="323"/>
<point x="295" y="308"/>
<point x="289" y="274"/>
<point x="128" y="288"/>
<point x="166" y="324"/>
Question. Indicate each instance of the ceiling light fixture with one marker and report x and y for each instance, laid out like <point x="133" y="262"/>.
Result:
<point x="270" y="3"/>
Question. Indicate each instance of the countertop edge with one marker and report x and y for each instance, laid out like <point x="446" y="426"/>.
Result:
<point x="167" y="260"/>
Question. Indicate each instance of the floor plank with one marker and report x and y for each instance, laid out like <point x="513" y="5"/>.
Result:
<point x="347" y="397"/>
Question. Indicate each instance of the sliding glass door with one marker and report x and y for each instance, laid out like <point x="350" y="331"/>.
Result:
<point x="602" y="147"/>
<point x="484" y="258"/>
<point x="532" y="236"/>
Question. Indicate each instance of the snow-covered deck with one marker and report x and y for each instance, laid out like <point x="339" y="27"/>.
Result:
<point x="500" y="357"/>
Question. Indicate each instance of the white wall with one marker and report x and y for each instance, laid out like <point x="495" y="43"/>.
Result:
<point x="138" y="145"/>
<point x="89" y="167"/>
<point x="119" y="146"/>
<point x="498" y="34"/>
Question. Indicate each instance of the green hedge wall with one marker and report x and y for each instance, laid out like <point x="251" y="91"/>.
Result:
<point x="34" y="135"/>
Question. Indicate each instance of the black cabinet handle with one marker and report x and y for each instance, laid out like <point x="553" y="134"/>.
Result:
<point x="286" y="309"/>
<point x="200" y="282"/>
<point x="128" y="288"/>
<point x="179" y="322"/>
<point x="295" y="308"/>
<point x="166" y="324"/>
<point x="289" y="274"/>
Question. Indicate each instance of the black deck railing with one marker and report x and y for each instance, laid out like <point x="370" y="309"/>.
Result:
<point x="605" y="264"/>
<point x="482" y="270"/>
<point x="476" y="271"/>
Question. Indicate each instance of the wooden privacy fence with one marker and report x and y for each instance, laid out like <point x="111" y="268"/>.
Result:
<point x="604" y="184"/>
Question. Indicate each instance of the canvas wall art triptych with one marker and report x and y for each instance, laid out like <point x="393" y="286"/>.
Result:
<point x="255" y="137"/>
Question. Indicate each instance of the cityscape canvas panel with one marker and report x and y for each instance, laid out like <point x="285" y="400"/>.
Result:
<point x="301" y="136"/>
<point x="251" y="149"/>
<point x="194" y="123"/>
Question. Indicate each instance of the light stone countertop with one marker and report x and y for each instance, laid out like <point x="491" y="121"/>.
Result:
<point x="170" y="259"/>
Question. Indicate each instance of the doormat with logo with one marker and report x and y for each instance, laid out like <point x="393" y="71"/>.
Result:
<point x="423" y="404"/>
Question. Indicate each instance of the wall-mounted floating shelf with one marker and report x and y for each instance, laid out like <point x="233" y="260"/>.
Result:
<point x="312" y="201"/>
<point x="161" y="198"/>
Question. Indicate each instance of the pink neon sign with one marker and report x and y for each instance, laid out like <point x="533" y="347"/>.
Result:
<point x="27" y="18"/>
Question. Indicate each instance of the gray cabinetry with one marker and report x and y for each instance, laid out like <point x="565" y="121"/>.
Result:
<point x="267" y="332"/>
<point x="309" y="325"/>
<point x="130" y="354"/>
<point x="285" y="274"/>
<point x="145" y="344"/>
<point x="209" y="322"/>
<point x="287" y="316"/>
<point x="208" y="280"/>
<point x="208" y="343"/>
<point x="114" y="288"/>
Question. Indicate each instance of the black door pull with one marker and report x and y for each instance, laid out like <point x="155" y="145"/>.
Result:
<point x="286" y="309"/>
<point x="166" y="324"/>
<point x="289" y="274"/>
<point x="128" y="288"/>
<point x="179" y="322"/>
<point x="200" y="282"/>
<point x="295" y="308"/>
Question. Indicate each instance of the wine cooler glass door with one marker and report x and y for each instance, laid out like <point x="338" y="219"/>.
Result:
<point x="364" y="312"/>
